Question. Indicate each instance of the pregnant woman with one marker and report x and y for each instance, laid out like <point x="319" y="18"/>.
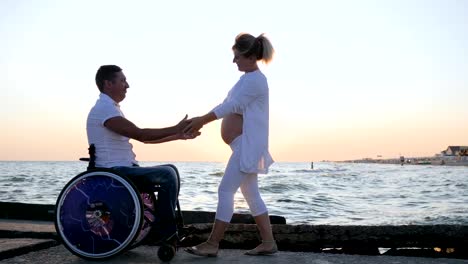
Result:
<point x="245" y="114"/>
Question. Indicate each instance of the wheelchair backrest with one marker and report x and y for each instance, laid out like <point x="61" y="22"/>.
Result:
<point x="92" y="157"/>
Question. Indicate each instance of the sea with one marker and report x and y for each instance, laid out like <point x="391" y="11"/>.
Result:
<point x="328" y="194"/>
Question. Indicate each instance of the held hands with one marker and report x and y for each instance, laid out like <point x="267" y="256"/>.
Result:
<point x="182" y="124"/>
<point x="184" y="133"/>
<point x="194" y="125"/>
<point x="176" y="132"/>
<point x="185" y="136"/>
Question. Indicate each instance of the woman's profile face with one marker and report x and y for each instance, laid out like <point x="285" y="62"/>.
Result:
<point x="244" y="64"/>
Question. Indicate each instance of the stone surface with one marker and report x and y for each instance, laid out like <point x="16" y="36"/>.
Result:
<point x="452" y="240"/>
<point x="40" y="212"/>
<point x="193" y="217"/>
<point x="10" y="247"/>
<point x="45" y="212"/>
<point x="148" y="254"/>
<point x="11" y="228"/>
<point x="364" y="240"/>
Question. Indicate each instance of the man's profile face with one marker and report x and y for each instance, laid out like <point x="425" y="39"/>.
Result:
<point x="117" y="87"/>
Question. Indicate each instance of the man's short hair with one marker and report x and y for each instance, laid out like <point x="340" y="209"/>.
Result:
<point x="106" y="72"/>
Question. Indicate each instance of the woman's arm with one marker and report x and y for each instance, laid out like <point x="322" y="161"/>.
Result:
<point x="197" y="123"/>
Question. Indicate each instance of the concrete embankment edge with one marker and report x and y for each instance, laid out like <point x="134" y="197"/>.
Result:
<point x="451" y="240"/>
<point x="362" y="240"/>
<point x="11" y="247"/>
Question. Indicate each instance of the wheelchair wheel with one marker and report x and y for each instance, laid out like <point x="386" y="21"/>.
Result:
<point x="149" y="207"/>
<point x="99" y="214"/>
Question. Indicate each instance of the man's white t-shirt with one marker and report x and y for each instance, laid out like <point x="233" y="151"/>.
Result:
<point x="112" y="149"/>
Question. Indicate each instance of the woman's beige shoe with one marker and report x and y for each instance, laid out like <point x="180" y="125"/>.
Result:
<point x="261" y="252"/>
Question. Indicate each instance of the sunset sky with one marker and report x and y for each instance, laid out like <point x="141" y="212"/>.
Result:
<point x="350" y="79"/>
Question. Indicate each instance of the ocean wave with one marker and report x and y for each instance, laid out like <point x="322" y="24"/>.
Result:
<point x="306" y="171"/>
<point x="19" y="179"/>
<point x="331" y="193"/>
<point x="286" y="200"/>
<point x="218" y="173"/>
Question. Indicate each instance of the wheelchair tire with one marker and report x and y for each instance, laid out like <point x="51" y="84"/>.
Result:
<point x="166" y="252"/>
<point x="99" y="214"/>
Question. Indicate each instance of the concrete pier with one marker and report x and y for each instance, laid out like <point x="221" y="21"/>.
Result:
<point x="148" y="255"/>
<point x="35" y="241"/>
<point x="38" y="238"/>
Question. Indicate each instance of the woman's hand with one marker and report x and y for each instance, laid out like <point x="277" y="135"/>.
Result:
<point x="197" y="123"/>
<point x="194" y="125"/>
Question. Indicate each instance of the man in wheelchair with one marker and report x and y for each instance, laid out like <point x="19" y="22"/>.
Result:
<point x="110" y="132"/>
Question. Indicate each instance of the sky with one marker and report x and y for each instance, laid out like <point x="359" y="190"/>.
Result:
<point x="349" y="80"/>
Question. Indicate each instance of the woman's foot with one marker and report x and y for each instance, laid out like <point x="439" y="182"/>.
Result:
<point x="265" y="248"/>
<point x="205" y="249"/>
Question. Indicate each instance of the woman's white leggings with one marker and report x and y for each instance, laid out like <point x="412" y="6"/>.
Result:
<point x="233" y="179"/>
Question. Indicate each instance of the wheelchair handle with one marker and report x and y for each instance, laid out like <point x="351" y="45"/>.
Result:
<point x="92" y="157"/>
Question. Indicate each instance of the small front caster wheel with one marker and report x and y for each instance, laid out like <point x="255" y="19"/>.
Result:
<point x="166" y="252"/>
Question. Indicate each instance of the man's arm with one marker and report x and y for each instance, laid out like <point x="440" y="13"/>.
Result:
<point x="126" y="128"/>
<point x="174" y="137"/>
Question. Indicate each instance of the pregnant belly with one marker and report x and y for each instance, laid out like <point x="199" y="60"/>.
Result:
<point x="231" y="127"/>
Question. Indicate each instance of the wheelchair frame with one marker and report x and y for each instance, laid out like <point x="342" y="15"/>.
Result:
<point x="100" y="213"/>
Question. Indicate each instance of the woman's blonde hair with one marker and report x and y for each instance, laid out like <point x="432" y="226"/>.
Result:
<point x="260" y="47"/>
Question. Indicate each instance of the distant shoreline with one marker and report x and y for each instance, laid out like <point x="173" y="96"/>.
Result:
<point x="440" y="161"/>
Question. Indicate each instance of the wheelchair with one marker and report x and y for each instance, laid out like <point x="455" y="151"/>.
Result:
<point x="100" y="214"/>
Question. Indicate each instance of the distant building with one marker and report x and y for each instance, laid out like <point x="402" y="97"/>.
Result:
<point x="455" y="151"/>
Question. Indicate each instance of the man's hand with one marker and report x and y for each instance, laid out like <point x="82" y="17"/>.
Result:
<point x="181" y="125"/>
<point x="185" y="136"/>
